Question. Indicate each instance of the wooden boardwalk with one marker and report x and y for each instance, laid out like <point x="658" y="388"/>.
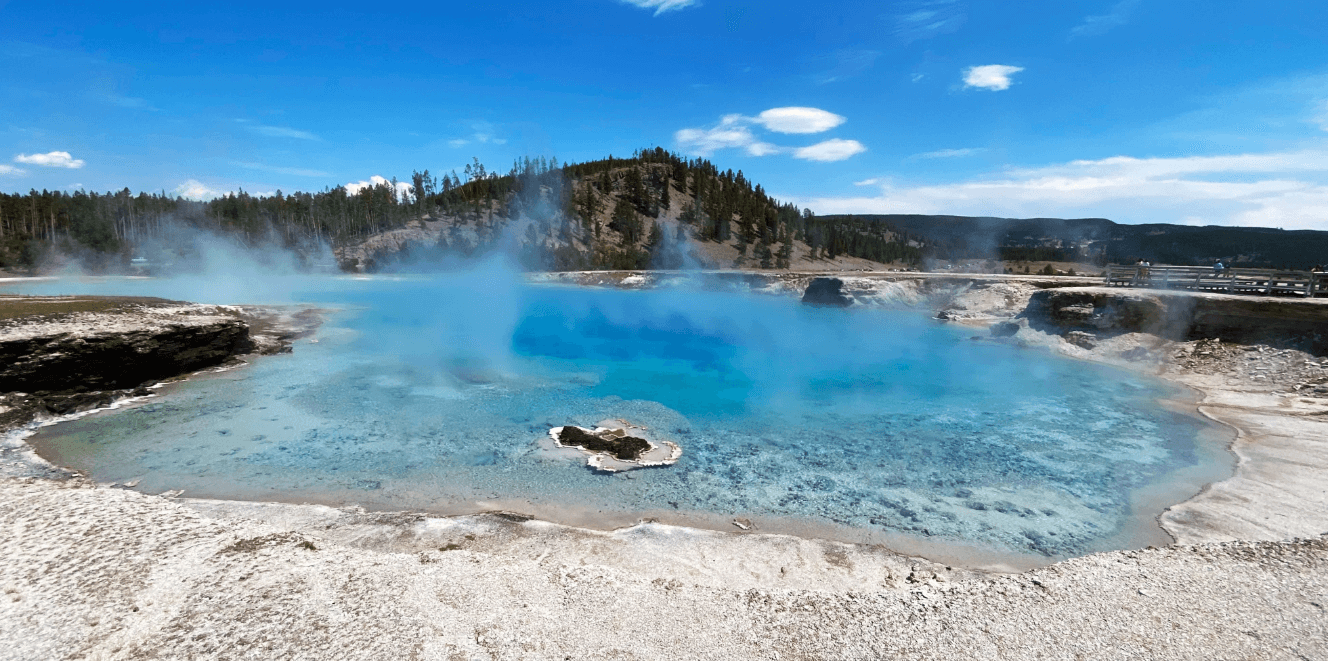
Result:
<point x="1232" y="281"/>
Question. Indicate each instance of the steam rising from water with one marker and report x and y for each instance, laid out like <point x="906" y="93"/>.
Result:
<point x="430" y="391"/>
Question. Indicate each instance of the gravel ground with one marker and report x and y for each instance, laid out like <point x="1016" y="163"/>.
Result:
<point x="101" y="573"/>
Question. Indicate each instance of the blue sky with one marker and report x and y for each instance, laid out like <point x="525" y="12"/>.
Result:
<point x="1136" y="110"/>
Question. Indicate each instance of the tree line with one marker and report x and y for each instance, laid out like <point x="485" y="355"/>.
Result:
<point x="634" y="212"/>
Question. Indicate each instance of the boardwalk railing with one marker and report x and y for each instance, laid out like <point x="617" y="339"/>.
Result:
<point x="1231" y="281"/>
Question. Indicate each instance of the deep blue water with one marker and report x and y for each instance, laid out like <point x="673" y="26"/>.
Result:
<point x="434" y="393"/>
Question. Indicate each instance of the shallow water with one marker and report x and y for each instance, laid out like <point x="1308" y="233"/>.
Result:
<point x="435" y="394"/>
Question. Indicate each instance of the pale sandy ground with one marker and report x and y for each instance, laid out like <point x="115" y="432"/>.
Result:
<point x="94" y="572"/>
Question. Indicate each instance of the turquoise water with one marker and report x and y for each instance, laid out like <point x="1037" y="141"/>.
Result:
<point x="435" y="394"/>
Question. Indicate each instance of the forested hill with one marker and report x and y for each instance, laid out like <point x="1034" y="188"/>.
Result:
<point x="653" y="210"/>
<point x="1101" y="241"/>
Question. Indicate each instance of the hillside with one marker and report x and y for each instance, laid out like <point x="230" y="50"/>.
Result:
<point x="1101" y="241"/>
<point x="653" y="210"/>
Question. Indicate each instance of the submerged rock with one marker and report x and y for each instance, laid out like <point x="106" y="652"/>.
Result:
<point x="1081" y="339"/>
<point x="1006" y="329"/>
<point x="826" y="292"/>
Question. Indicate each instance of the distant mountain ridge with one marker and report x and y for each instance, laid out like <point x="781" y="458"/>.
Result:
<point x="1101" y="241"/>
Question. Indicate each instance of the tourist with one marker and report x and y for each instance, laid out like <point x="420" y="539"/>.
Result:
<point x="1218" y="268"/>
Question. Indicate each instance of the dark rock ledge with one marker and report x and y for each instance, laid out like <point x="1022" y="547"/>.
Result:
<point x="64" y="354"/>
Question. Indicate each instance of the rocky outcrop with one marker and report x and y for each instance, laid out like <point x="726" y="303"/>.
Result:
<point x="55" y="357"/>
<point x="1181" y="315"/>
<point x="826" y="292"/>
<point x="62" y="355"/>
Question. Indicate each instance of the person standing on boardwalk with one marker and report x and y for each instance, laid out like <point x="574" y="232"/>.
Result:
<point x="1218" y="268"/>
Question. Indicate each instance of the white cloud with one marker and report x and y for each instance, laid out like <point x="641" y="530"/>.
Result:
<point x="55" y="159"/>
<point x="994" y="77"/>
<point x="194" y="189"/>
<point x="951" y="153"/>
<point x="735" y="132"/>
<point x="834" y="149"/>
<point x="283" y="132"/>
<point x="661" y="6"/>
<point x="798" y="120"/>
<point x="297" y="172"/>
<point x="1118" y="15"/>
<point x="868" y="182"/>
<point x="12" y="171"/>
<point x="403" y="189"/>
<point x="1281" y="189"/>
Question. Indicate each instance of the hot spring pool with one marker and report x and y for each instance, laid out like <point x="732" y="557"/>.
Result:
<point x="433" y="394"/>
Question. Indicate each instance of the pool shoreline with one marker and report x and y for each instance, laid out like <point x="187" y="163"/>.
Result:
<point x="951" y="551"/>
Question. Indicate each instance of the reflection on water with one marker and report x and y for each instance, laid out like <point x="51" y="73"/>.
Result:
<point x="434" y="394"/>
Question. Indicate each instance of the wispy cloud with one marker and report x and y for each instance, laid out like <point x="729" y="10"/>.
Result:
<point x="847" y="63"/>
<point x="830" y="150"/>
<point x="1118" y="15"/>
<point x="129" y="102"/>
<point x="869" y="182"/>
<point x="55" y="159"/>
<point x="923" y="19"/>
<point x="994" y="77"/>
<point x="11" y="171"/>
<point x="1321" y="117"/>
<point x="735" y="132"/>
<point x="661" y="6"/>
<point x="732" y="132"/>
<point x="1278" y="189"/>
<point x="951" y="153"/>
<point x="282" y="132"/>
<point x="276" y="169"/>
<point x="483" y="134"/>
